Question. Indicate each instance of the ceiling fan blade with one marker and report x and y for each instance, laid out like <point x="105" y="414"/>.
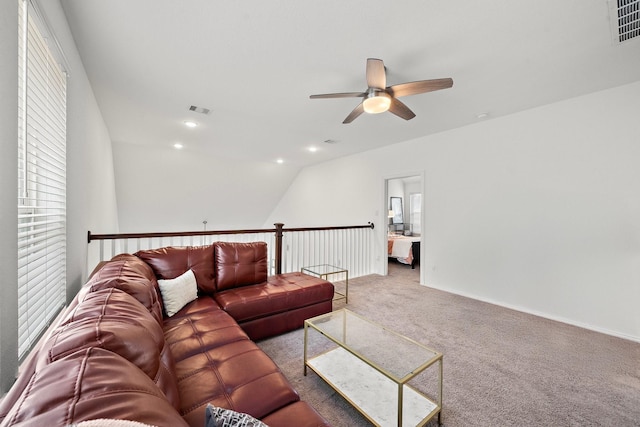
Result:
<point x="422" y="86"/>
<point x="401" y="110"/>
<point x="339" y="95"/>
<point x="376" y="76"/>
<point x="354" y="114"/>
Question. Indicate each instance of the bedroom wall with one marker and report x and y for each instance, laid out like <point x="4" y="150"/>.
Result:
<point x="537" y="211"/>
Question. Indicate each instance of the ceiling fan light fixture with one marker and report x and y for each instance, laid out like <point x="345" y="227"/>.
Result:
<point x="378" y="97"/>
<point x="376" y="103"/>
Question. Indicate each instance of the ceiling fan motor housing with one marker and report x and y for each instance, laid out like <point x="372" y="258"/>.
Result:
<point x="376" y="101"/>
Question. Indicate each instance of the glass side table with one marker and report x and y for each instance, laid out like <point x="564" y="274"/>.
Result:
<point x="324" y="271"/>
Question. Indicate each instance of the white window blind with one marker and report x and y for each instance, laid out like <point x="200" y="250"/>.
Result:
<point x="41" y="182"/>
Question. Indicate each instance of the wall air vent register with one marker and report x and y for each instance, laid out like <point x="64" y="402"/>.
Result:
<point x="200" y="110"/>
<point x="625" y="19"/>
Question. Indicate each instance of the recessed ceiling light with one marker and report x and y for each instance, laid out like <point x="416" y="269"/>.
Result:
<point x="482" y="115"/>
<point x="190" y="123"/>
<point x="280" y="161"/>
<point x="313" y="149"/>
<point x="178" y="146"/>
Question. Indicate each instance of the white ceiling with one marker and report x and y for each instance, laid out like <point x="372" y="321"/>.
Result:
<point x="254" y="63"/>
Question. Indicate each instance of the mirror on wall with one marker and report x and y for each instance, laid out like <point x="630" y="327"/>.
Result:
<point x="396" y="208"/>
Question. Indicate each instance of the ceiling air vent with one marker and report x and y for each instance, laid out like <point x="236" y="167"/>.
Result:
<point x="199" y="109"/>
<point x="625" y="16"/>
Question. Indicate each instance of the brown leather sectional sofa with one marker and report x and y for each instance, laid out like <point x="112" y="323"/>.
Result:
<point x="116" y="354"/>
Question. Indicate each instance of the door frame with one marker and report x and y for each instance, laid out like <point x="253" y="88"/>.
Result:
<point x="384" y="229"/>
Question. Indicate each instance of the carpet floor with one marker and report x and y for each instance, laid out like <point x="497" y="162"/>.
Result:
<point x="501" y="367"/>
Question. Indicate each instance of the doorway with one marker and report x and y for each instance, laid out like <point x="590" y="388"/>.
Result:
<point x="404" y="202"/>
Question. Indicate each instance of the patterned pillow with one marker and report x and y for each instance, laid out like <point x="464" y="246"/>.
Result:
<point x="220" y="417"/>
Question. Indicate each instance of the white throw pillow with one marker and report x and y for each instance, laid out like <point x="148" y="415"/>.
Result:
<point x="178" y="292"/>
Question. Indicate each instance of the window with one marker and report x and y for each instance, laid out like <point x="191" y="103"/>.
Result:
<point x="41" y="180"/>
<point x="415" y="211"/>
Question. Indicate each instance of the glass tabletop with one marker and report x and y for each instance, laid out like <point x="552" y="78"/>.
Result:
<point x="324" y="269"/>
<point x="397" y="356"/>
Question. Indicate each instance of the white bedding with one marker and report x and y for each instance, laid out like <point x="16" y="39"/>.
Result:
<point x="400" y="247"/>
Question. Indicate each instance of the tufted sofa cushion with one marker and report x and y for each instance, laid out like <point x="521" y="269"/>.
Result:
<point x="217" y="363"/>
<point x="89" y="384"/>
<point x="114" y="305"/>
<point x="131" y="275"/>
<point x="129" y="340"/>
<point x="112" y="319"/>
<point x="237" y="376"/>
<point x="278" y="294"/>
<point x="240" y="264"/>
<point x="171" y="262"/>
<point x="206" y="326"/>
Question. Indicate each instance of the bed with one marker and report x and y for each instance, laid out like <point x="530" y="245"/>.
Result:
<point x="405" y="249"/>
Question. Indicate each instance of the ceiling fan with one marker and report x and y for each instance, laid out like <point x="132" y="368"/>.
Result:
<point x="379" y="97"/>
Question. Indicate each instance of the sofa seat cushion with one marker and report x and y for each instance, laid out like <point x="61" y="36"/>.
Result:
<point x="237" y="376"/>
<point x="90" y="384"/>
<point x="281" y="293"/>
<point x="171" y="262"/>
<point x="200" y="326"/>
<point x="203" y="303"/>
<point x="303" y="414"/>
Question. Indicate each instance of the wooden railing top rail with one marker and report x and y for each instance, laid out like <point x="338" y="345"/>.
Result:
<point x="279" y="228"/>
<point x="341" y="227"/>
<point x="91" y="237"/>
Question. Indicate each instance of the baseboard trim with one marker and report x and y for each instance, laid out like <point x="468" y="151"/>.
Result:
<point x="544" y="315"/>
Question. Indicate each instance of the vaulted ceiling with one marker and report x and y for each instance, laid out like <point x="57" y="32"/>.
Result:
<point x="254" y="63"/>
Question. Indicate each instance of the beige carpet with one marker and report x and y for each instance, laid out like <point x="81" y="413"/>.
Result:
<point x="501" y="367"/>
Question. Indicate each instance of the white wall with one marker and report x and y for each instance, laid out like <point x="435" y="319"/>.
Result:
<point x="538" y="211"/>
<point x="163" y="189"/>
<point x="91" y="199"/>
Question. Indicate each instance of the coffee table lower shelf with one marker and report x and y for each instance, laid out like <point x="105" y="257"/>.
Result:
<point x="371" y="392"/>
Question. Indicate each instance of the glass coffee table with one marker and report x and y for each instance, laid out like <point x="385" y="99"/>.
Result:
<point x="371" y="367"/>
